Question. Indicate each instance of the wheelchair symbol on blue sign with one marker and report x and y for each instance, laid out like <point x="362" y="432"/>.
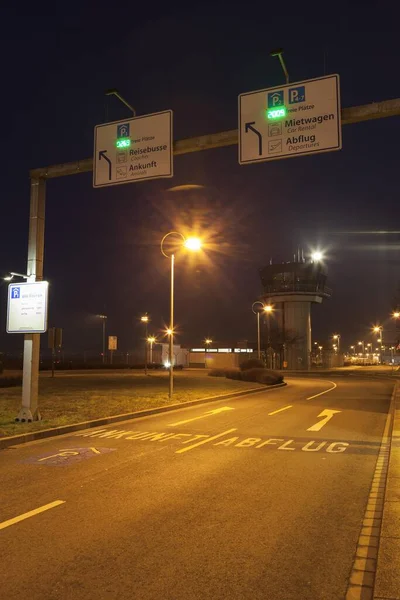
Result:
<point x="15" y="292"/>
<point x="123" y="130"/>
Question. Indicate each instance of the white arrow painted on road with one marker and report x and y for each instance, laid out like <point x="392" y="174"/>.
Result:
<point x="328" y="414"/>
<point x="216" y="411"/>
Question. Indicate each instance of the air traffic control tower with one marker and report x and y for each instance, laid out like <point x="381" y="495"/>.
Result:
<point x="292" y="287"/>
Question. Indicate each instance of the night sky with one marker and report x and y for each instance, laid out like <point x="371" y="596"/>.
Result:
<point x="102" y="245"/>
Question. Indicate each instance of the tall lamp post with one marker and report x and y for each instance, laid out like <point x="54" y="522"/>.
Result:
<point x="145" y="320"/>
<point x="151" y="341"/>
<point x="194" y="244"/>
<point x="257" y="312"/>
<point x="207" y="343"/>
<point x="267" y="308"/>
<point x="378" y="329"/>
<point x="336" y="337"/>
<point x="320" y="354"/>
<point x="104" y="319"/>
<point x="363" y="350"/>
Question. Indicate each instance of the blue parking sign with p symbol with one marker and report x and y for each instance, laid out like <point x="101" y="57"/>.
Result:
<point x="123" y="130"/>
<point x="297" y="94"/>
<point x="15" y="292"/>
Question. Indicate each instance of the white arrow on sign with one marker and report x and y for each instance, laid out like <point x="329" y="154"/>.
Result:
<point x="328" y="414"/>
<point x="207" y="414"/>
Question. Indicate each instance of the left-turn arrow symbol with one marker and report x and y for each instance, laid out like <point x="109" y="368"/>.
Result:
<point x="249" y="126"/>
<point x="103" y="154"/>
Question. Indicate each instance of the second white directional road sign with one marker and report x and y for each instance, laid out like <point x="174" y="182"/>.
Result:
<point x="290" y="120"/>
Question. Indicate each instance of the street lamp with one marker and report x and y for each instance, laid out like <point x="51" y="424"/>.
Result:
<point x="336" y="337"/>
<point x="104" y="319"/>
<point x="207" y="343"/>
<point x="257" y="312"/>
<point x="194" y="244"/>
<point x="267" y="308"/>
<point x="145" y="320"/>
<point x="12" y="274"/>
<point x="317" y="256"/>
<point x="396" y="314"/>
<point x="354" y="349"/>
<point x="369" y="346"/>
<point x="320" y="353"/>
<point x="378" y="329"/>
<point x="363" y="350"/>
<point x="151" y="339"/>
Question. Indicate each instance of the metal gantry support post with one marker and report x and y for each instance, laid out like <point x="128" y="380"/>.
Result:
<point x="30" y="378"/>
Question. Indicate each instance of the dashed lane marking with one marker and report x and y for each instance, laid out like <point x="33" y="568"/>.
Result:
<point x="324" y="392"/>
<point x="31" y="513"/>
<point x="279" y="410"/>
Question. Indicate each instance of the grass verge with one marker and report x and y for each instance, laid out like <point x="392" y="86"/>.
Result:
<point x="73" y="398"/>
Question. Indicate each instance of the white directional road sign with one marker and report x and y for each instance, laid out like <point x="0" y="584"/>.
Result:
<point x="133" y="150"/>
<point x="27" y="307"/>
<point x="290" y="120"/>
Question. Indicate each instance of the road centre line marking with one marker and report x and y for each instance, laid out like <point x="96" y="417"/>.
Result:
<point x="31" y="513"/>
<point x="324" y="392"/>
<point x="210" y="439"/>
<point x="280" y="410"/>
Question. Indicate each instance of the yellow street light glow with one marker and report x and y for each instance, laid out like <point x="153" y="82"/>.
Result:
<point x="317" y="256"/>
<point x="192" y="243"/>
<point x="151" y="339"/>
<point x="208" y="341"/>
<point x="377" y="329"/>
<point x="268" y="308"/>
<point x="168" y="331"/>
<point x="144" y="319"/>
<point x="396" y="314"/>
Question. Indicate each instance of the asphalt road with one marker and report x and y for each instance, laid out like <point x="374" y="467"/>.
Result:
<point x="260" y="497"/>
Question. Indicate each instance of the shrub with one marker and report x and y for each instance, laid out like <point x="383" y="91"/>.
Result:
<point x="217" y="373"/>
<point x="269" y="377"/>
<point x="265" y="376"/>
<point x="252" y="363"/>
<point x="233" y="373"/>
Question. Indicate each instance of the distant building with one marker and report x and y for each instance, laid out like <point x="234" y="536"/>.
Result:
<point x="292" y="287"/>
